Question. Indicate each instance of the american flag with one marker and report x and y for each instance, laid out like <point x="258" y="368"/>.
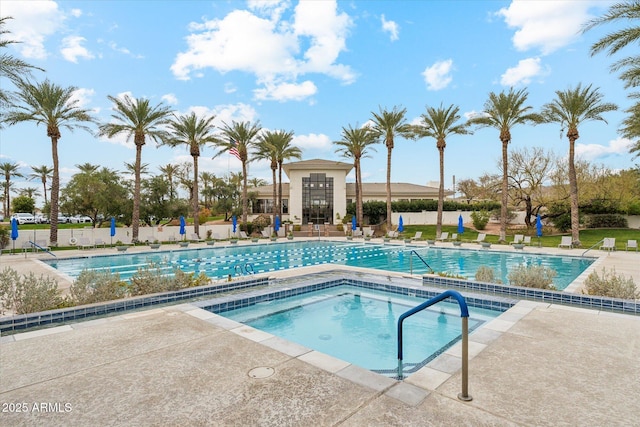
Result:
<point x="234" y="150"/>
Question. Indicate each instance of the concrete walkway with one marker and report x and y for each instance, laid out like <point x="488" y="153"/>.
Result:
<point x="537" y="364"/>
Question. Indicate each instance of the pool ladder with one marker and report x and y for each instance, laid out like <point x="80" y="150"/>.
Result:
<point x="464" y="314"/>
<point x="242" y="270"/>
<point x="421" y="259"/>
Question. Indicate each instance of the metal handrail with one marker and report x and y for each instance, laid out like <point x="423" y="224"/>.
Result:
<point x="421" y="259"/>
<point x="601" y="241"/>
<point x="246" y="269"/>
<point x="464" y="313"/>
<point x="35" y="245"/>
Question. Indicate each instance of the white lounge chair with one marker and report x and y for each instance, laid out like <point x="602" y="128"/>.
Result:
<point x="565" y="242"/>
<point x="517" y="238"/>
<point x="481" y="237"/>
<point x="444" y="236"/>
<point x="266" y="232"/>
<point x="85" y="243"/>
<point x="631" y="244"/>
<point x="527" y="240"/>
<point x="195" y="237"/>
<point x="454" y="236"/>
<point x="99" y="242"/>
<point x="609" y="244"/>
<point x="417" y="236"/>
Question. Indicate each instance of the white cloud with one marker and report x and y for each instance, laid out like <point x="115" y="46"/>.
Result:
<point x="312" y="141"/>
<point x="83" y="96"/>
<point x="124" y="50"/>
<point x="438" y="75"/>
<point x="230" y="88"/>
<point x="72" y="49"/>
<point x="523" y="72"/>
<point x="33" y="23"/>
<point x="545" y="25"/>
<point x="76" y="13"/>
<point x="286" y="91"/>
<point x="170" y="99"/>
<point x="618" y="146"/>
<point x="275" y="50"/>
<point x="390" y="27"/>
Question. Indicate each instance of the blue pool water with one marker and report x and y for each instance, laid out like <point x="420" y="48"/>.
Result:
<point x="220" y="262"/>
<point x="360" y="325"/>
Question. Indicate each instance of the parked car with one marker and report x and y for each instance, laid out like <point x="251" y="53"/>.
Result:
<point x="24" y="218"/>
<point x="80" y="219"/>
<point x="41" y="219"/>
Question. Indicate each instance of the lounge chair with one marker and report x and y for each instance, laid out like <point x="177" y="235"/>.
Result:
<point x="418" y="236"/>
<point x="517" y="239"/>
<point x="266" y="232"/>
<point x="631" y="244"/>
<point x="281" y="232"/>
<point x="527" y="240"/>
<point x="565" y="242"/>
<point x="444" y="236"/>
<point x="608" y="244"/>
<point x="481" y="237"/>
<point x="243" y="235"/>
<point x="454" y="236"/>
<point x="99" y="242"/>
<point x="195" y="237"/>
<point x="85" y="243"/>
<point x="368" y="231"/>
<point x="392" y="234"/>
<point x="357" y="233"/>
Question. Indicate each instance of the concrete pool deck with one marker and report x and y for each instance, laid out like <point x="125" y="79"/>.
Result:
<point x="537" y="364"/>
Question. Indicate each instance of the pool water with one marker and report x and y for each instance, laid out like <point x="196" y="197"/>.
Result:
<point x="220" y="262"/>
<point x="360" y="326"/>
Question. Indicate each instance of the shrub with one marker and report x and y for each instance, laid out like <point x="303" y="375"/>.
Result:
<point x="4" y="236"/>
<point x="606" y="221"/>
<point x="486" y="274"/>
<point x="203" y="215"/>
<point x="610" y="285"/>
<point x="151" y="279"/>
<point x="262" y="221"/>
<point x="28" y="294"/>
<point x="480" y="219"/>
<point x="497" y="213"/>
<point x="532" y="276"/>
<point x="96" y="286"/>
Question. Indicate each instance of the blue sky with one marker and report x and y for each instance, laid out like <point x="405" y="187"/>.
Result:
<point x="313" y="67"/>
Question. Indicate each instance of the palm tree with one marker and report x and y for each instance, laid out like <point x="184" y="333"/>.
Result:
<point x="570" y="109"/>
<point x="207" y="180"/>
<point x="42" y="173"/>
<point x="388" y="125"/>
<point x="11" y="67"/>
<point x="9" y="170"/>
<point x="30" y="192"/>
<point x="355" y="144"/>
<point x="88" y="168"/>
<point x="503" y="111"/>
<point x="52" y="106"/>
<point x="194" y="132"/>
<point x="170" y="171"/>
<point x="439" y="124"/>
<point x="138" y="119"/>
<point x="284" y="151"/>
<point x="266" y="150"/>
<point x="240" y="136"/>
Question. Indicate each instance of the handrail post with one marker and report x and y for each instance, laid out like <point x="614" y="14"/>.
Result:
<point x="465" y="361"/>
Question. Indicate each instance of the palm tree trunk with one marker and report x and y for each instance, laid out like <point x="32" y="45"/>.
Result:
<point x="245" y="201"/>
<point x="44" y="185"/>
<point x="280" y="189"/>
<point x="196" y="211"/>
<point x="55" y="190"/>
<point x="505" y="191"/>
<point x="389" y="222"/>
<point x="135" y="217"/>
<point x="356" y="164"/>
<point x="573" y="192"/>
<point x="274" y="209"/>
<point x="440" y="194"/>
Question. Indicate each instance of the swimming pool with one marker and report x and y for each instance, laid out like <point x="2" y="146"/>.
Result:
<point x="221" y="262"/>
<point x="359" y="325"/>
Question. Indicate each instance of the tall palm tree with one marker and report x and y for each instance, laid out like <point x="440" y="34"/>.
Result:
<point x="11" y="67"/>
<point x="88" y="168"/>
<point x="266" y="150"/>
<point x="137" y="118"/>
<point x="43" y="173"/>
<point x="9" y="170"/>
<point x="355" y="144"/>
<point x="171" y="171"/>
<point x="503" y="111"/>
<point x="240" y="136"/>
<point x="194" y="132"/>
<point x="439" y="124"/>
<point x="207" y="180"/>
<point x="30" y="192"/>
<point x="570" y="109"/>
<point x="285" y="150"/>
<point x="387" y="125"/>
<point x="54" y="107"/>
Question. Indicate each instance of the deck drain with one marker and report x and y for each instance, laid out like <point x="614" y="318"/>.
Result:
<point x="261" y="372"/>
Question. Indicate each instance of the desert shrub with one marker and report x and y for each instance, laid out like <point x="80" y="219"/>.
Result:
<point x="28" y="293"/>
<point x="182" y="280"/>
<point x="606" y="221"/>
<point x="262" y="221"/>
<point x="497" y="213"/>
<point x="203" y="215"/>
<point x="480" y="219"/>
<point x="151" y="279"/>
<point x="4" y="236"/>
<point x="486" y="274"/>
<point x="532" y="276"/>
<point x="610" y="285"/>
<point x="96" y="286"/>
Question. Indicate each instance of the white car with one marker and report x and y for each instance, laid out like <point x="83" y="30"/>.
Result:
<point x="80" y="219"/>
<point x="24" y="218"/>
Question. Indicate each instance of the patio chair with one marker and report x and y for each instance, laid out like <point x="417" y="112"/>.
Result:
<point x="517" y="238"/>
<point x="631" y="244"/>
<point x="565" y="242"/>
<point x="85" y="243"/>
<point x="266" y="232"/>
<point x="195" y="237"/>
<point x="454" y="236"/>
<point x="608" y="244"/>
<point x="481" y="237"/>
<point x="417" y="236"/>
<point x="357" y="233"/>
<point x="527" y="240"/>
<point x="99" y="242"/>
<point x="42" y="245"/>
<point x="444" y="236"/>
<point x="368" y="231"/>
<point x="243" y="235"/>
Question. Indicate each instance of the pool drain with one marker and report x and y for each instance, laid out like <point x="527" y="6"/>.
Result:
<point x="261" y="372"/>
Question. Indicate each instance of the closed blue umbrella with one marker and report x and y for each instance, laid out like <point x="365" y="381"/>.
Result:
<point x="14" y="231"/>
<point x="354" y="225"/>
<point x="400" y="225"/>
<point x="460" y="225"/>
<point x="538" y="225"/>
<point x="234" y="221"/>
<point x="113" y="228"/>
<point x="182" y="225"/>
<point x="276" y="226"/>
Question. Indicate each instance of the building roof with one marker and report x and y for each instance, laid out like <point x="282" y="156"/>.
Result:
<point x="377" y="190"/>
<point x="317" y="164"/>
